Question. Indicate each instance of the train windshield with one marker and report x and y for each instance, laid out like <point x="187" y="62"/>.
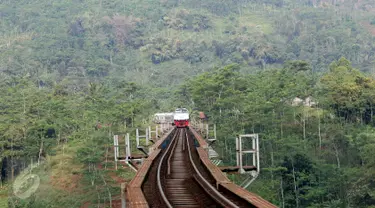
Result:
<point x="181" y="110"/>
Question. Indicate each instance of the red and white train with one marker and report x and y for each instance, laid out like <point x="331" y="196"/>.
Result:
<point x="181" y="118"/>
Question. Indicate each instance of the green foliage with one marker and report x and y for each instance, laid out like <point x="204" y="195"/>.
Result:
<point x="67" y="66"/>
<point x="38" y="121"/>
<point x="349" y="92"/>
<point x="312" y="153"/>
<point x="184" y="20"/>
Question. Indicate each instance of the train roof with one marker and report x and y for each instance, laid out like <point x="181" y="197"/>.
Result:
<point x="163" y="114"/>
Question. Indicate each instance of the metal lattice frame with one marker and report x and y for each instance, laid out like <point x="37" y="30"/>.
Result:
<point x="254" y="151"/>
<point x="138" y="137"/>
<point x="156" y="132"/>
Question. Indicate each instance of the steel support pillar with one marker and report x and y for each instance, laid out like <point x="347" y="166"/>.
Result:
<point x="116" y="149"/>
<point x="127" y="147"/>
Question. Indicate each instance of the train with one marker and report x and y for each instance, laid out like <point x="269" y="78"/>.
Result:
<point x="179" y="118"/>
<point x="163" y="118"/>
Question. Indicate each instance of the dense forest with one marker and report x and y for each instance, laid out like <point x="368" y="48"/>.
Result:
<point x="299" y="73"/>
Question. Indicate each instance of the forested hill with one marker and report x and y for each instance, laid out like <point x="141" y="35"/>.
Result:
<point x="68" y="66"/>
<point x="145" y="41"/>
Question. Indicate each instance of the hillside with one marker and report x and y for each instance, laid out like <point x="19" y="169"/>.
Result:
<point x="67" y="65"/>
<point x="144" y="41"/>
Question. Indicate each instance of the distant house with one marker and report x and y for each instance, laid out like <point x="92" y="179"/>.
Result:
<point x="297" y="101"/>
<point x="309" y="102"/>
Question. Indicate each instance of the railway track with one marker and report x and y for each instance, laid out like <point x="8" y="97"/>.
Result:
<point x="179" y="173"/>
<point x="178" y="179"/>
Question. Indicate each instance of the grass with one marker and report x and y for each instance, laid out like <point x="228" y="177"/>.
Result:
<point x="64" y="183"/>
<point x="256" y="23"/>
<point x="4" y="197"/>
<point x="127" y="174"/>
<point x="3" y="202"/>
<point x="68" y="184"/>
<point x="60" y="179"/>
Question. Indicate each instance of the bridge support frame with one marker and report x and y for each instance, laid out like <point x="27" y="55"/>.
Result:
<point x="164" y="127"/>
<point x="151" y="132"/>
<point x="138" y="137"/>
<point x="254" y="151"/>
<point x="208" y="130"/>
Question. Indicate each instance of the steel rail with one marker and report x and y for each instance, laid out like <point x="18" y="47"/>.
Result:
<point x="159" y="170"/>
<point x="170" y="156"/>
<point x="217" y="196"/>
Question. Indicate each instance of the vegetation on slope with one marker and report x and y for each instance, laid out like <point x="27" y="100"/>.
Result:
<point x="311" y="156"/>
<point x="65" y="66"/>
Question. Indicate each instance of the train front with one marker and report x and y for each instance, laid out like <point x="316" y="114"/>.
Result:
<point x="181" y="118"/>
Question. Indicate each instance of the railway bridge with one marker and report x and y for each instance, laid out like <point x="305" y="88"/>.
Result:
<point x="179" y="173"/>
